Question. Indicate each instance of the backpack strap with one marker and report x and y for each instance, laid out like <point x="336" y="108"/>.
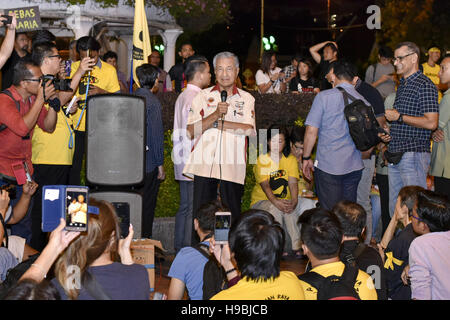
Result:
<point x="203" y="249"/>
<point x="350" y="274"/>
<point x="312" y="278"/>
<point x="374" y="71"/>
<point x="359" y="249"/>
<point x="346" y="96"/>
<point x="9" y="94"/>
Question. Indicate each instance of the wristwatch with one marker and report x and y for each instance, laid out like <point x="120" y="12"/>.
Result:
<point x="400" y="118"/>
<point x="215" y="124"/>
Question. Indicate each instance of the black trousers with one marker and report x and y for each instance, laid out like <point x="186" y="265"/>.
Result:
<point x="205" y="190"/>
<point x="383" y="186"/>
<point x="78" y="155"/>
<point x="442" y="186"/>
<point x="44" y="175"/>
<point x="149" y="195"/>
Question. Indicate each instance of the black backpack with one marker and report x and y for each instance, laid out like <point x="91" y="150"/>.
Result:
<point x="334" y="287"/>
<point x="362" y="124"/>
<point x="14" y="274"/>
<point x="214" y="277"/>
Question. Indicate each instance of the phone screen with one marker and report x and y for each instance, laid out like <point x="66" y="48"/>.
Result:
<point x="123" y="214"/>
<point x="222" y="226"/>
<point x="76" y="209"/>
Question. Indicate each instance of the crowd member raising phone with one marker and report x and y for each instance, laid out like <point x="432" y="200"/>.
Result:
<point x="94" y="255"/>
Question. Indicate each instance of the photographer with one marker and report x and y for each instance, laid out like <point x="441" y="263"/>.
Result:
<point x="19" y="114"/>
<point x="8" y="42"/>
<point x="52" y="153"/>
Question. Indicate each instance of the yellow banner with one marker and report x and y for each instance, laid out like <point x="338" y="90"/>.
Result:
<point x="141" y="38"/>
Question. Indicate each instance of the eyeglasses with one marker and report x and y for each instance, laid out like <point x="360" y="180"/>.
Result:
<point x="34" y="80"/>
<point x="403" y="57"/>
<point x="55" y="56"/>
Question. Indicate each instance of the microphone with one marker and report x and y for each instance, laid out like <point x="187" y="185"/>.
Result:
<point x="223" y="98"/>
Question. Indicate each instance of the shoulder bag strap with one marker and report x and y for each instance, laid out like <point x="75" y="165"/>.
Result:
<point x="8" y="93"/>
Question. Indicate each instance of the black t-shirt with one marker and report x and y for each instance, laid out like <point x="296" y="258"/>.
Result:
<point x="176" y="74"/>
<point x="396" y="258"/>
<point x="8" y="69"/>
<point x="372" y="96"/>
<point x="307" y="85"/>
<point x="323" y="71"/>
<point x="368" y="258"/>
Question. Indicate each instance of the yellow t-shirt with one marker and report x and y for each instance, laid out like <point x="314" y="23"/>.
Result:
<point x="363" y="285"/>
<point x="433" y="74"/>
<point x="285" y="287"/>
<point x="103" y="76"/>
<point x="53" y="148"/>
<point x="278" y="175"/>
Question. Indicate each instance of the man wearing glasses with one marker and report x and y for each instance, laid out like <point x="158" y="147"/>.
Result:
<point x="21" y="109"/>
<point x="52" y="152"/>
<point x="414" y="117"/>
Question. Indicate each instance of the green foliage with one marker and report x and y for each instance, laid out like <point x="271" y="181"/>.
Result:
<point x="197" y="15"/>
<point x="168" y="199"/>
<point x="424" y="22"/>
<point x="193" y="15"/>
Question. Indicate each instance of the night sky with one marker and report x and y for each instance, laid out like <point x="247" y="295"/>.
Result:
<point x="295" y="24"/>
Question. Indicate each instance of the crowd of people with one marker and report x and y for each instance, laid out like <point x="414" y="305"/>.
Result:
<point x="362" y="219"/>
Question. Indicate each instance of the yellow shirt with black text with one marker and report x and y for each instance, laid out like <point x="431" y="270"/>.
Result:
<point x="276" y="173"/>
<point x="103" y="76"/>
<point x="285" y="287"/>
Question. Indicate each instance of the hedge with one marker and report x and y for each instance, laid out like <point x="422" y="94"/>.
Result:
<point x="287" y="109"/>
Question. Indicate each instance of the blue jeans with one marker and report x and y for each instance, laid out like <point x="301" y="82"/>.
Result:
<point x="376" y="215"/>
<point x="183" y="218"/>
<point x="23" y="227"/>
<point x="363" y="194"/>
<point x="331" y="189"/>
<point x="410" y="171"/>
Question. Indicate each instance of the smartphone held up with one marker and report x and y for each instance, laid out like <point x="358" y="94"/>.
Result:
<point x="222" y="227"/>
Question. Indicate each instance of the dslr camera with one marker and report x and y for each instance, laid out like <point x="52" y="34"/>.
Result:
<point x="59" y="84"/>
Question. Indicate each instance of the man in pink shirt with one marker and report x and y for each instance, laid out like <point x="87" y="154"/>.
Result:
<point x="429" y="254"/>
<point x="17" y="126"/>
<point x="198" y="77"/>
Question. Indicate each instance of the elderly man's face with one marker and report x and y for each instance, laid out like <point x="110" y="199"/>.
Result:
<point x="226" y="72"/>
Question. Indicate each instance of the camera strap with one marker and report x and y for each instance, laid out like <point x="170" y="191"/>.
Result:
<point x="85" y="100"/>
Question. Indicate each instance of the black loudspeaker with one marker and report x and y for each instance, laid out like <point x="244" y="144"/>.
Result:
<point x="128" y="207"/>
<point x="115" y="129"/>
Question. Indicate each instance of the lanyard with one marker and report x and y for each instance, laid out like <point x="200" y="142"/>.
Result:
<point x="71" y="133"/>
<point x="85" y="100"/>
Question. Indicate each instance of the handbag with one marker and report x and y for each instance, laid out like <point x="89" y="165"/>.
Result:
<point x="393" y="157"/>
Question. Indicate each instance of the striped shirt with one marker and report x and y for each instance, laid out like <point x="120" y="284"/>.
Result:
<point x="416" y="95"/>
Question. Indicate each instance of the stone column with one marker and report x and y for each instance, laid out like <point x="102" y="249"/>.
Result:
<point x="170" y="38"/>
<point x="79" y="24"/>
